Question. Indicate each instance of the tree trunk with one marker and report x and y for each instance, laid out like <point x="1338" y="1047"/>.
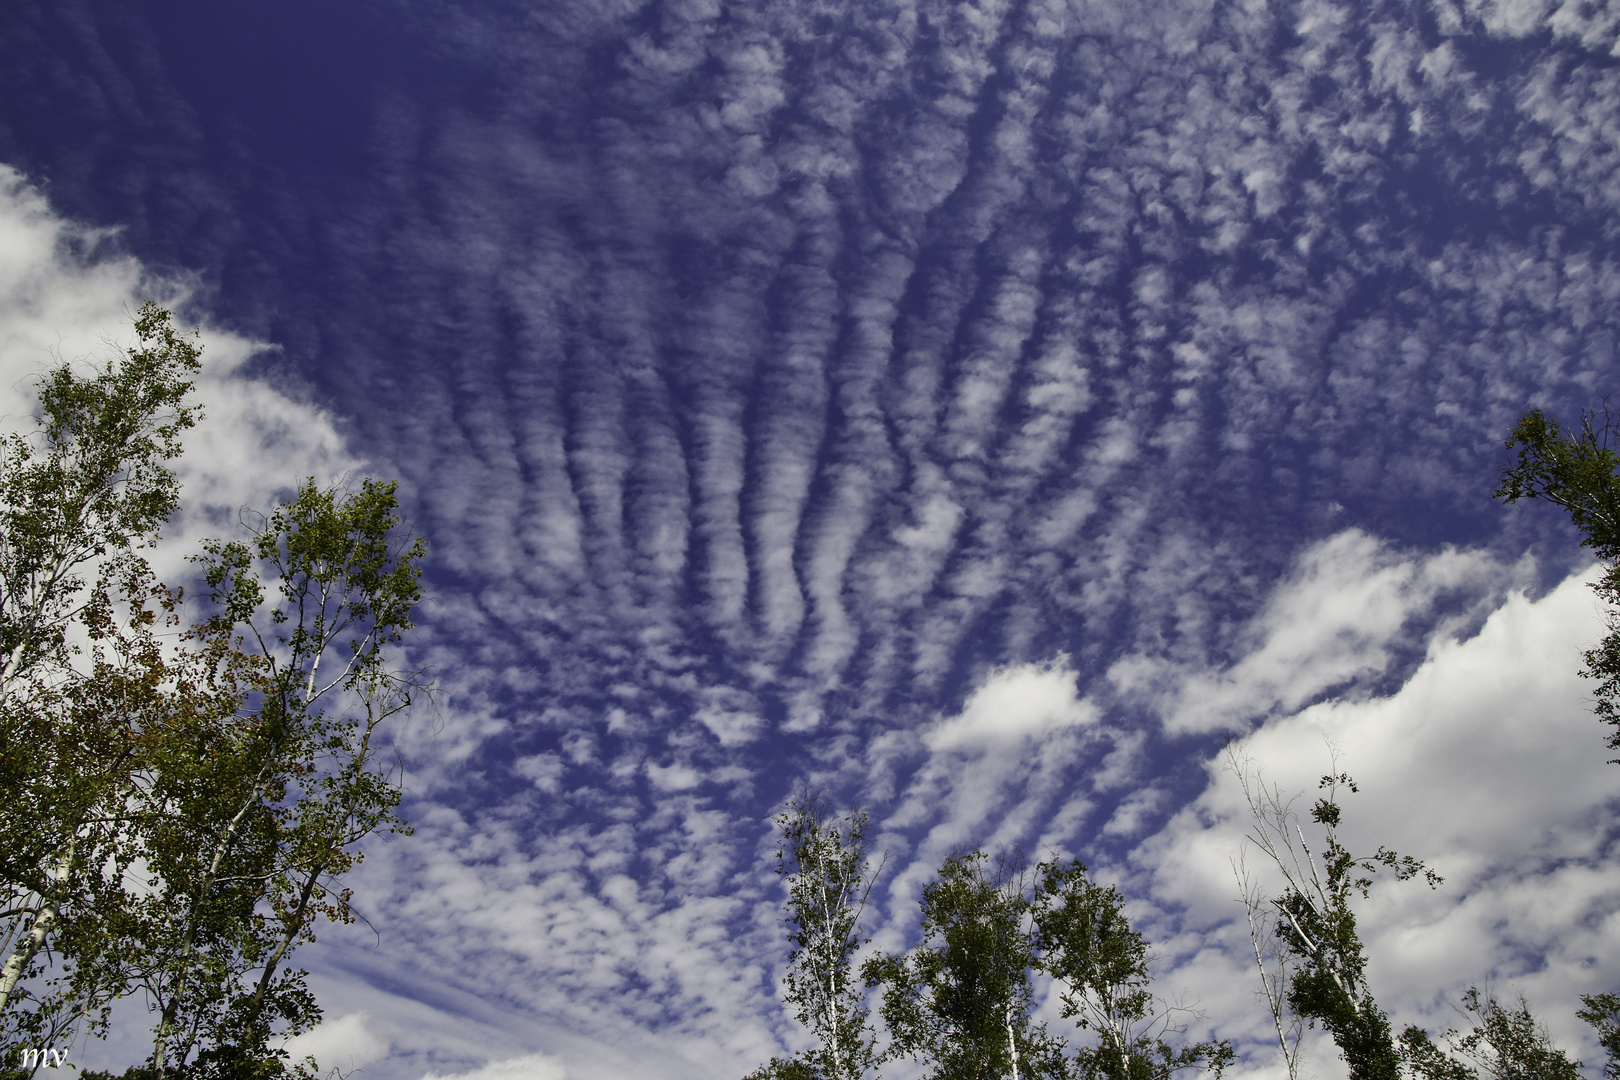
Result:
<point x="49" y="911"/>
<point x="1012" y="1043"/>
<point x="19" y="959"/>
<point x="291" y="930"/>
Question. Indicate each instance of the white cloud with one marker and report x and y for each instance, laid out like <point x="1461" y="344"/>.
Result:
<point x="527" y="1067"/>
<point x="544" y="770"/>
<point x="732" y="727"/>
<point x="1487" y="764"/>
<point x="345" y="1044"/>
<point x="67" y="295"/>
<point x="1513" y="18"/>
<point x="1339" y="618"/>
<point x="674" y="777"/>
<point x="1016" y="702"/>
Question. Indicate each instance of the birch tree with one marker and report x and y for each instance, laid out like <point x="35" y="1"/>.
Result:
<point x="961" y="999"/>
<point x="80" y="673"/>
<point x="257" y="811"/>
<point x="1083" y="939"/>
<point x="1504" y="1043"/>
<point x="1602" y="1012"/>
<point x="1576" y="470"/>
<point x="1313" y="929"/>
<point x="829" y="873"/>
<point x="180" y="808"/>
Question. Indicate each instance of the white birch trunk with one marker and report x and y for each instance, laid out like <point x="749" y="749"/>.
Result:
<point x="30" y="944"/>
<point x="44" y="919"/>
<point x="1012" y="1043"/>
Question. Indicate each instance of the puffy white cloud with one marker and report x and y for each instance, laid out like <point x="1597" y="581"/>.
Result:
<point x="1013" y="703"/>
<point x="1487" y="764"/>
<point x="68" y="294"/>
<point x="346" y="1044"/>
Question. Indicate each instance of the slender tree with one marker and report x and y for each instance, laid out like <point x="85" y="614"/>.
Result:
<point x="257" y="810"/>
<point x="823" y="859"/>
<point x="1084" y="940"/>
<point x="1579" y="470"/>
<point x="1314" y="928"/>
<point x="1273" y="962"/>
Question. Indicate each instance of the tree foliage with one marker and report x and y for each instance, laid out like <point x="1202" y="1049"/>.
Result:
<point x="1085" y="942"/>
<point x="1503" y="1044"/>
<point x="190" y="799"/>
<point x="1318" y="974"/>
<point x="82" y="683"/>
<point x="785" y="1069"/>
<point x="960" y="1001"/>
<point x="1576" y="470"/>
<point x="259" y="809"/>
<point x="1602" y="1012"/>
<point x="1313" y="967"/>
<point x="823" y="860"/>
<point x="961" y="998"/>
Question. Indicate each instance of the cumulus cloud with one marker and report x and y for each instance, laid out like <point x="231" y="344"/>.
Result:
<point x="1012" y="704"/>
<point x="345" y="1044"/>
<point x="67" y="293"/>
<point x="1487" y="764"/>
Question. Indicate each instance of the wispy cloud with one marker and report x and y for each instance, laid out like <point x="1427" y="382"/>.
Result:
<point x="528" y="1067"/>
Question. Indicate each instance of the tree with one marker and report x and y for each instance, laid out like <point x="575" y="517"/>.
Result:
<point x="1576" y="470"/>
<point x="785" y="1069"/>
<point x="80" y="676"/>
<point x="961" y="999"/>
<point x="1085" y="942"/>
<point x="1310" y="930"/>
<point x="181" y="806"/>
<point x="256" y="810"/>
<point x="1504" y="1044"/>
<point x="824" y="861"/>
<point x="1602" y="1011"/>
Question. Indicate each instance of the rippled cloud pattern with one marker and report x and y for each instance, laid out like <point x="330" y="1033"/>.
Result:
<point x="965" y="406"/>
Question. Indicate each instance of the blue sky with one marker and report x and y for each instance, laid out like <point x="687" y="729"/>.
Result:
<point x="980" y="410"/>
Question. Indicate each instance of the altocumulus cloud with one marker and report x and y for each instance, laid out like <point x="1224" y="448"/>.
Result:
<point x="977" y="409"/>
<point x="855" y="372"/>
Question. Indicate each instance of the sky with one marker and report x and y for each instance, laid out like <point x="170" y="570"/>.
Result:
<point x="994" y="414"/>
